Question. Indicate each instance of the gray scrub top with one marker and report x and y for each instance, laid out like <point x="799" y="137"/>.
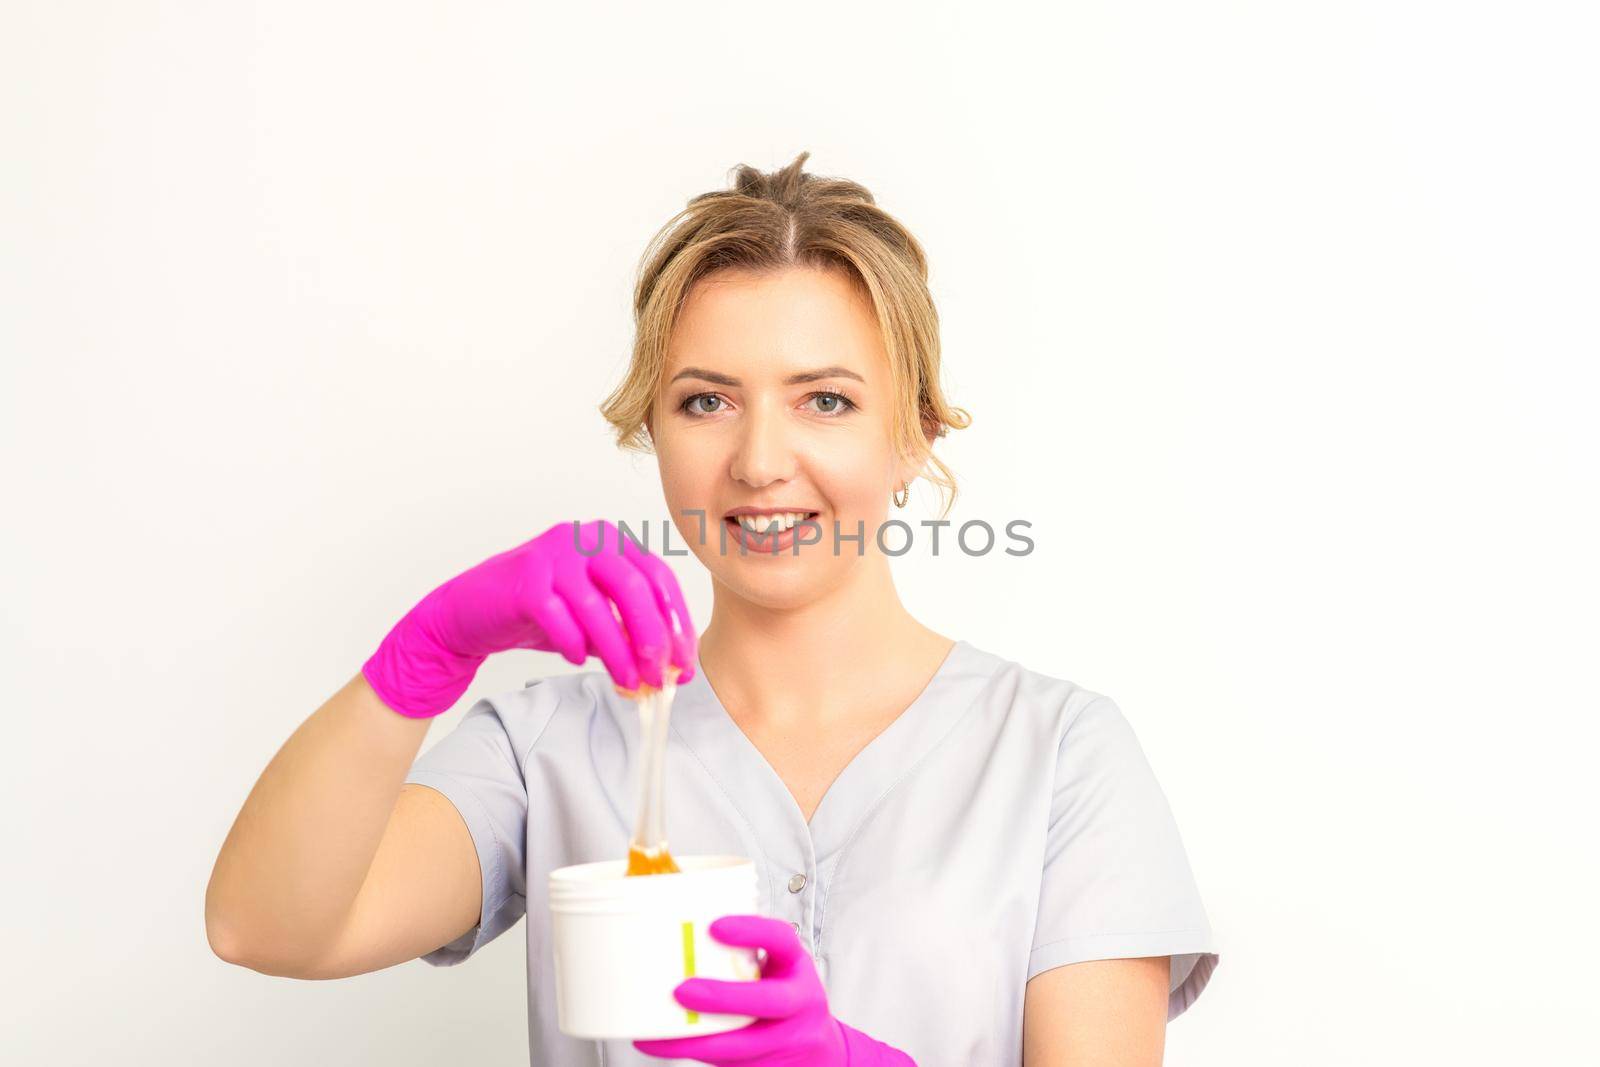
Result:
<point x="1005" y="823"/>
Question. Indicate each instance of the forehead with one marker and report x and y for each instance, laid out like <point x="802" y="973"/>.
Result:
<point x="754" y="325"/>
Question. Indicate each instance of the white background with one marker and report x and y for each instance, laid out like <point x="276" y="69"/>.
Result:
<point x="1277" y="320"/>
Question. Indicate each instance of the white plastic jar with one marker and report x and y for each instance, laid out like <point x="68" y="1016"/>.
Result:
<point x="623" y="944"/>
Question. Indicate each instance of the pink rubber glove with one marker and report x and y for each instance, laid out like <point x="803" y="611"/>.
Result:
<point x="793" y="1024"/>
<point x="544" y="594"/>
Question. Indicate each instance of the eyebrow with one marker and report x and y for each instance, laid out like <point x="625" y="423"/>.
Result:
<point x="793" y="379"/>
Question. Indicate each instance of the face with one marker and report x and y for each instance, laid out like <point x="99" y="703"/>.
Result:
<point x="777" y="399"/>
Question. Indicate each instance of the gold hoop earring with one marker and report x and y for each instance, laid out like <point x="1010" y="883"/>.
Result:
<point x="899" y="500"/>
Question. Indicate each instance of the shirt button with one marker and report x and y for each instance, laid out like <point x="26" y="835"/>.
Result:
<point x="796" y="928"/>
<point x="797" y="883"/>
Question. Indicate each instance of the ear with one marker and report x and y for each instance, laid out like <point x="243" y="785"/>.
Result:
<point x="907" y="471"/>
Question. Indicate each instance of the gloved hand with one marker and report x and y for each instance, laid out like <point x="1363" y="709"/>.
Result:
<point x="544" y="594"/>
<point x="793" y="1024"/>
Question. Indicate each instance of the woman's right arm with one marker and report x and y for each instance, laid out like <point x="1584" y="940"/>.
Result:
<point x="334" y="865"/>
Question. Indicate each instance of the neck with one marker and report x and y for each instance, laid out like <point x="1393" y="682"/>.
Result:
<point x="839" y="655"/>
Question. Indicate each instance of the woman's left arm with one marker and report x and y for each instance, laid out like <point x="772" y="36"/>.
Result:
<point x="1098" y="1013"/>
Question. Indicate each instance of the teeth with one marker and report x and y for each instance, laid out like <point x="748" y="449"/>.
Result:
<point x="783" y="520"/>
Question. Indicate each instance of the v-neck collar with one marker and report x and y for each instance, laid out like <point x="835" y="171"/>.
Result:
<point x="728" y="755"/>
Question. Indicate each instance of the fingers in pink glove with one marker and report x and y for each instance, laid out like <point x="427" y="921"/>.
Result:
<point x="769" y="998"/>
<point x="593" y="612"/>
<point x="782" y="944"/>
<point x="669" y="599"/>
<point x="553" y="618"/>
<point x="645" y="629"/>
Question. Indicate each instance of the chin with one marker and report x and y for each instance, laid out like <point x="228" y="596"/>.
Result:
<point x="775" y="592"/>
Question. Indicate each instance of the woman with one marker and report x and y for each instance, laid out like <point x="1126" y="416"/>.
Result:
<point x="939" y="832"/>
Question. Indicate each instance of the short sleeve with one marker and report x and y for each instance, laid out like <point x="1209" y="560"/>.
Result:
<point x="475" y="766"/>
<point x="1117" y="882"/>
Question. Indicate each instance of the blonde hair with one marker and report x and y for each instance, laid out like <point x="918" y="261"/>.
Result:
<point x="770" y="222"/>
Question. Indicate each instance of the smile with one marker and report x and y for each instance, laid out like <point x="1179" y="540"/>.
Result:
<point x="769" y="532"/>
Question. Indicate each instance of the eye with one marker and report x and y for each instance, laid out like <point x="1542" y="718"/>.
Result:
<point x="701" y="404"/>
<point x="830" y="403"/>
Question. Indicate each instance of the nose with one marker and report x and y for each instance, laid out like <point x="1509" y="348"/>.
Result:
<point x="764" y="454"/>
